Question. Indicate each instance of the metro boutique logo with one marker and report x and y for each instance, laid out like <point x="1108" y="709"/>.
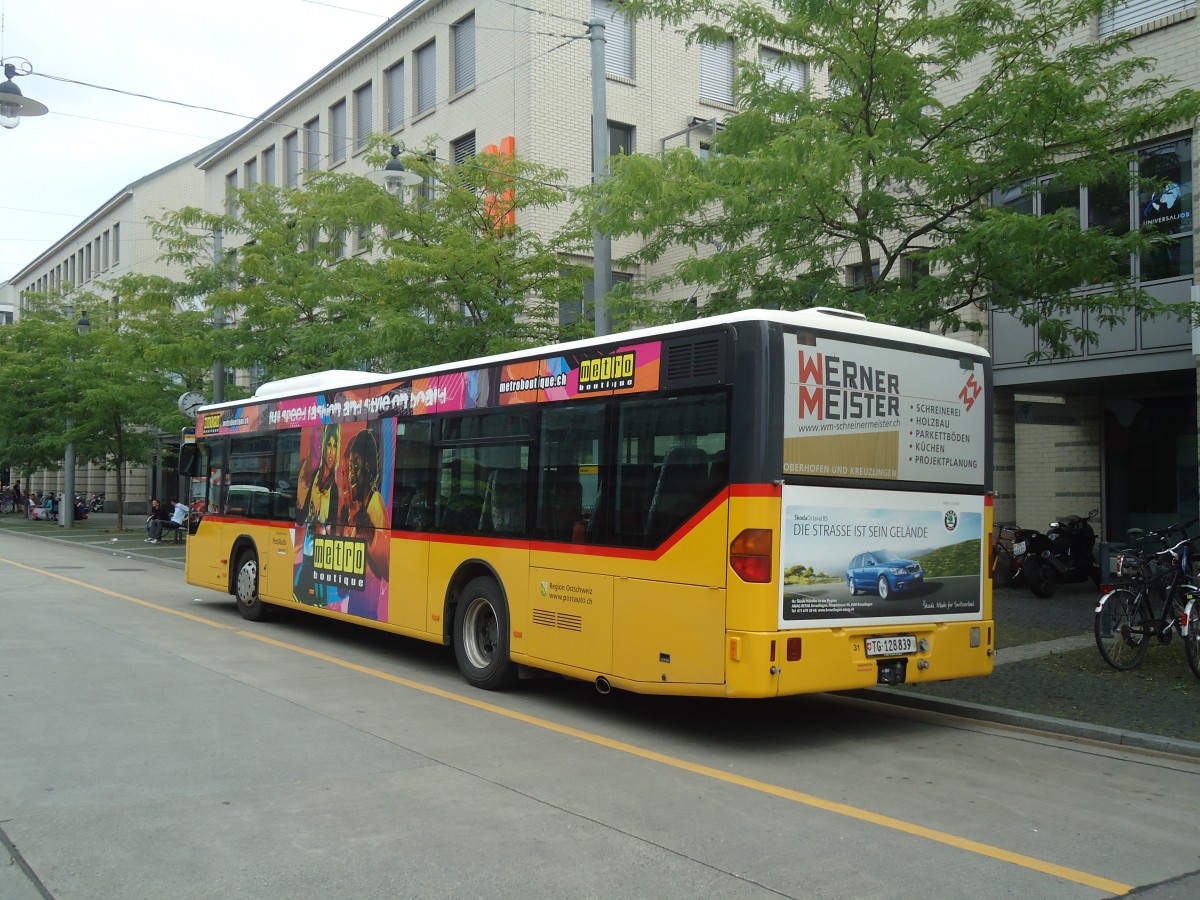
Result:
<point x="833" y="388"/>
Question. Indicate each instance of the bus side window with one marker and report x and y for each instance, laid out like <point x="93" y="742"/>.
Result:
<point x="682" y="478"/>
<point x="505" y="502"/>
<point x="570" y="505"/>
<point x="411" y="500"/>
<point x="217" y="481"/>
<point x="671" y="462"/>
<point x="287" y="476"/>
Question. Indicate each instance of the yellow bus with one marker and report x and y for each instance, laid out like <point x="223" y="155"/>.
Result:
<point x="751" y="505"/>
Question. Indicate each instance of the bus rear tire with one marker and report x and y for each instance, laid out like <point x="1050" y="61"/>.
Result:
<point x="481" y="636"/>
<point x="249" y="603"/>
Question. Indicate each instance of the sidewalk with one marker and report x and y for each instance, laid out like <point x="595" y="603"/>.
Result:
<point x="99" y="532"/>
<point x="1048" y="676"/>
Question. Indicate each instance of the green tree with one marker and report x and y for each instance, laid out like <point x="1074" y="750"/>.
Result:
<point x="928" y="109"/>
<point x="107" y="392"/>
<point x="340" y="274"/>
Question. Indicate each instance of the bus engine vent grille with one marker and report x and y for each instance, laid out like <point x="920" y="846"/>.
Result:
<point x="551" y="619"/>
<point x="691" y="361"/>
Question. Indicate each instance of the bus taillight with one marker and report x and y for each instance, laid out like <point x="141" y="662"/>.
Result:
<point x="750" y="555"/>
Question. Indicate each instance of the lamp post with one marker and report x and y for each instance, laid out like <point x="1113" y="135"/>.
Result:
<point x="393" y="177"/>
<point x="13" y="104"/>
<point x="66" y="510"/>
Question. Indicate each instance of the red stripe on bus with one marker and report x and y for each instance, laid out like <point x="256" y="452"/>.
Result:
<point x="756" y="490"/>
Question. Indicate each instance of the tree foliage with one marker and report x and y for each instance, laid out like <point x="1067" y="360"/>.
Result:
<point x="109" y="392"/>
<point x="913" y="115"/>
<point x="340" y="274"/>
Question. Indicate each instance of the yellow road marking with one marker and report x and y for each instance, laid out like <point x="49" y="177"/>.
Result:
<point x="1018" y="859"/>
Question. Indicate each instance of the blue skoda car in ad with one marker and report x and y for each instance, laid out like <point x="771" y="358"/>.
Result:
<point x="883" y="572"/>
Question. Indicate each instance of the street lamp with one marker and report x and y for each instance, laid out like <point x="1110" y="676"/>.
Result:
<point x="393" y="177"/>
<point x="66" y="510"/>
<point x="13" y="104"/>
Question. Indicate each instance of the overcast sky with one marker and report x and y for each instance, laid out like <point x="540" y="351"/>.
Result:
<point x="238" y="56"/>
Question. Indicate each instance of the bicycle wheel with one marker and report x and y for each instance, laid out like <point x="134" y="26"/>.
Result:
<point x="1123" y="628"/>
<point x="1191" y="640"/>
<point x="6" y="505"/>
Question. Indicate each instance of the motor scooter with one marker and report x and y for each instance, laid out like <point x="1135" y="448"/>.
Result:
<point x="1064" y="554"/>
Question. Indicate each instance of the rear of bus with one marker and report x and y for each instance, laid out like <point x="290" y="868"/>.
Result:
<point x="856" y="530"/>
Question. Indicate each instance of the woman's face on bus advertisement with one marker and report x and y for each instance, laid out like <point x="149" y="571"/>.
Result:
<point x="329" y="455"/>
<point x="357" y="476"/>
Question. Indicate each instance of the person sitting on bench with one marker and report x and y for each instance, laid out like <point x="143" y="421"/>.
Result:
<point x="179" y="514"/>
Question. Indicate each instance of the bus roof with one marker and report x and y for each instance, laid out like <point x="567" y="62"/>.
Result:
<point x="844" y="321"/>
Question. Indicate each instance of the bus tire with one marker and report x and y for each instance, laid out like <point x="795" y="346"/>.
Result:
<point x="245" y="588"/>
<point x="481" y="636"/>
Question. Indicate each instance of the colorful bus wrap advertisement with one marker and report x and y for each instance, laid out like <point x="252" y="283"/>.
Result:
<point x="886" y="557"/>
<point x="341" y="541"/>
<point x="628" y="369"/>
<point x="862" y="411"/>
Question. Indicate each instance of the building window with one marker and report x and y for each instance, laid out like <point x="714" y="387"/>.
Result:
<point x="312" y="145"/>
<point x="780" y="72"/>
<point x="116" y="243"/>
<point x="463" y="33"/>
<point x="426" y="78"/>
<point x="428" y="188"/>
<point x="231" y="208"/>
<point x="857" y="273"/>
<point x="291" y="160"/>
<point x="268" y="165"/>
<point x="1165" y="207"/>
<point x="1126" y="15"/>
<point x="87" y="262"/>
<point x="363" y="121"/>
<point x="620" y="139"/>
<point x="716" y="72"/>
<point x="618" y="38"/>
<point x="395" y="96"/>
<point x="463" y="148"/>
<point x="104" y="246"/>
<point x="337" y="132"/>
<point x="251" y="172"/>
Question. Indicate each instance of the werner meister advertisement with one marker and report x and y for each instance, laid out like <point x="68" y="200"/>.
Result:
<point x="859" y="411"/>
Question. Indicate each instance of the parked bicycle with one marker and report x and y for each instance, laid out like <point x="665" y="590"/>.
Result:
<point x="96" y="504"/>
<point x="1191" y="628"/>
<point x="1008" y="554"/>
<point x="1125" y="617"/>
<point x="7" y="503"/>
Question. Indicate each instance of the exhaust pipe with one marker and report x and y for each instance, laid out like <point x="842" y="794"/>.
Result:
<point x="602" y="685"/>
<point x="1059" y="566"/>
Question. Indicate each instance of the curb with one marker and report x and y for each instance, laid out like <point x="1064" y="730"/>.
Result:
<point x="1066" y="727"/>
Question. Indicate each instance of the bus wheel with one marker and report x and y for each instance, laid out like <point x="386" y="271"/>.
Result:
<point x="249" y="604"/>
<point x="481" y="636"/>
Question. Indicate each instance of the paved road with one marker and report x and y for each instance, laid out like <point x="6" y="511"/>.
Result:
<point x="155" y="745"/>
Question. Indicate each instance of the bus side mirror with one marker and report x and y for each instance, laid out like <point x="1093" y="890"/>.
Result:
<point x="188" y="456"/>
